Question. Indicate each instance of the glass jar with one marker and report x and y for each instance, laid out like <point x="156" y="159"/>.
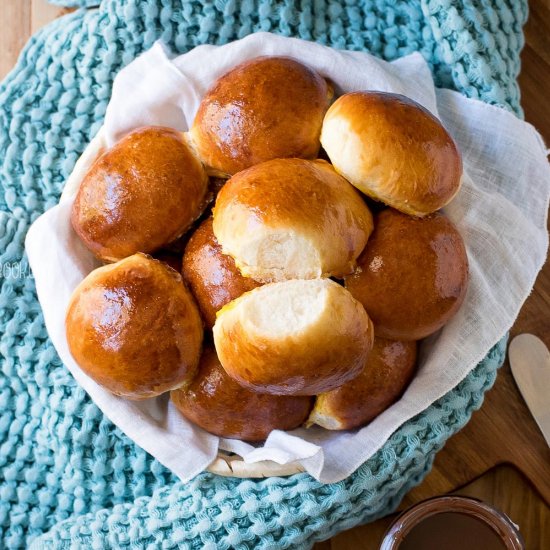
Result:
<point x="452" y="522"/>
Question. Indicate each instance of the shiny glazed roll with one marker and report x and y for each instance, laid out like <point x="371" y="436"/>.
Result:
<point x="266" y="108"/>
<point x="387" y="372"/>
<point x="412" y="276"/>
<point x="140" y="195"/>
<point x="212" y="276"/>
<point x="291" y="219"/>
<point x="219" y="405"/>
<point x="134" y="328"/>
<point x="393" y="150"/>
<point x="293" y="338"/>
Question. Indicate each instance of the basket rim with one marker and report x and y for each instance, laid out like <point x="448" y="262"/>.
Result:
<point x="231" y="465"/>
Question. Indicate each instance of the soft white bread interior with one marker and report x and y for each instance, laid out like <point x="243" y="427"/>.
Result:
<point x="393" y="150"/>
<point x="291" y="219"/>
<point x="299" y="337"/>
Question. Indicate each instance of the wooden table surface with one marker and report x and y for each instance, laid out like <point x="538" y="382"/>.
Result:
<point x="500" y="456"/>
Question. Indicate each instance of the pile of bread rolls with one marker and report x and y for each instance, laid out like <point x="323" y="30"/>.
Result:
<point x="296" y="305"/>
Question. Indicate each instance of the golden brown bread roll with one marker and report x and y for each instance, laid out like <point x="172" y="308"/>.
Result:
<point x="139" y="195"/>
<point x="289" y="219"/>
<point x="412" y="276"/>
<point x="293" y="338"/>
<point x="219" y="405"/>
<point x="212" y="276"/>
<point x="134" y="328"/>
<point x="393" y="150"/>
<point x="266" y="108"/>
<point x="388" y="370"/>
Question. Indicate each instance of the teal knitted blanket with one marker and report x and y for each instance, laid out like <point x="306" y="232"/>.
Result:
<point x="68" y="477"/>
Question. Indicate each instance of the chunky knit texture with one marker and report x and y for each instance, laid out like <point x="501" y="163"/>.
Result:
<point x="68" y="477"/>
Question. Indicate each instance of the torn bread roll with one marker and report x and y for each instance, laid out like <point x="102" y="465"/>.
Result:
<point x="291" y="219"/>
<point x="219" y="405"/>
<point x="299" y="337"/>
<point x="393" y="150"/>
<point x="388" y="370"/>
<point x="134" y="328"/>
<point x="265" y="108"/>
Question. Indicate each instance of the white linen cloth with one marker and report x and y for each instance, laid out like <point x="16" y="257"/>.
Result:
<point x="501" y="212"/>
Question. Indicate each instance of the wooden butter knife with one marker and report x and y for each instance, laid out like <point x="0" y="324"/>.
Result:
<point x="530" y="364"/>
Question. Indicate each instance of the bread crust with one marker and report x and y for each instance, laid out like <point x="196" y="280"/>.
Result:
<point x="211" y="275"/>
<point x="219" y="405"/>
<point x="393" y="150"/>
<point x="413" y="275"/>
<point x="140" y="195"/>
<point x="134" y="328"/>
<point x="265" y="108"/>
<point x="389" y="368"/>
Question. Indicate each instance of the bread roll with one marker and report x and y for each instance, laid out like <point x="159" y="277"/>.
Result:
<point x="139" y="195"/>
<point x="393" y="150"/>
<point x="219" y="405"/>
<point x="134" y="328"/>
<point x="266" y="108"/>
<point x="412" y="276"/>
<point x="289" y="219"/>
<point x="293" y="338"/>
<point x="212" y="276"/>
<point x="389" y="369"/>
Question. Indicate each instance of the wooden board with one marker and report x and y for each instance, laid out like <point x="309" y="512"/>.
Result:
<point x="19" y="19"/>
<point x="503" y="430"/>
